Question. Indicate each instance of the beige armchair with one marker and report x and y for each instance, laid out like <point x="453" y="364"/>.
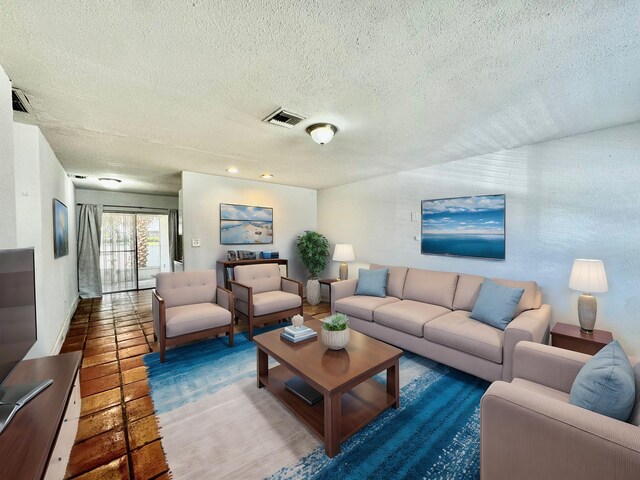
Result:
<point x="529" y="430"/>
<point x="189" y="306"/>
<point x="263" y="296"/>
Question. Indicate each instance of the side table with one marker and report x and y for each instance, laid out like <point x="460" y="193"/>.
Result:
<point x="328" y="282"/>
<point x="570" y="337"/>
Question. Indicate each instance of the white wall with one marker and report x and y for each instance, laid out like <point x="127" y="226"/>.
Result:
<point x="7" y="188"/>
<point x="576" y="197"/>
<point x="294" y="211"/>
<point x="114" y="197"/>
<point x="39" y="179"/>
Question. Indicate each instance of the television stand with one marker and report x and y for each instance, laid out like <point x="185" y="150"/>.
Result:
<point x="37" y="442"/>
<point x="15" y="396"/>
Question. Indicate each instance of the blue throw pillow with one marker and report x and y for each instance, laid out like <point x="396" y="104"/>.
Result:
<point x="372" y="282"/>
<point x="496" y="304"/>
<point x="606" y="384"/>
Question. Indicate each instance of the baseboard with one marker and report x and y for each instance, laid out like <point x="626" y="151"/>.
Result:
<point x="65" y="327"/>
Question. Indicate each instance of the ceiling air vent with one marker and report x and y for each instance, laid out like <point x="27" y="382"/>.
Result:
<point x="20" y="101"/>
<point x="284" y="118"/>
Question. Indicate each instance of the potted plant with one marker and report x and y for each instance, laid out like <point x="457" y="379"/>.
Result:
<point x="335" y="331"/>
<point x="313" y="251"/>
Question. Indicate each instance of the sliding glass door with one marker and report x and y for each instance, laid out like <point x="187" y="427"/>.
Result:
<point x="134" y="249"/>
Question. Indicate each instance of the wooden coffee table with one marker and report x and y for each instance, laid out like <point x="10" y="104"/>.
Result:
<point x="351" y="397"/>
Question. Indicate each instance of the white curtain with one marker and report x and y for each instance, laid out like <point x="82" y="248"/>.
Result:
<point x="89" y="223"/>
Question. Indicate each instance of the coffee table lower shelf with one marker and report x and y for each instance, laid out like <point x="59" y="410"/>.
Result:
<point x="357" y="407"/>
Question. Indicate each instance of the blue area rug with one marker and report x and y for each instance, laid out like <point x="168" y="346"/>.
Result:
<point x="216" y="423"/>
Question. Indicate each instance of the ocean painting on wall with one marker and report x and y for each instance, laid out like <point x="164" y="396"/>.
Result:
<point x="60" y="229"/>
<point x="245" y="225"/>
<point x="464" y="226"/>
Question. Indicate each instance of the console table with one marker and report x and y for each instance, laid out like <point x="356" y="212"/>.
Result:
<point x="228" y="267"/>
<point x="37" y="442"/>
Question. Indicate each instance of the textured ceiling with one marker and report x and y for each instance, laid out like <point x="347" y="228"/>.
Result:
<point x="144" y="90"/>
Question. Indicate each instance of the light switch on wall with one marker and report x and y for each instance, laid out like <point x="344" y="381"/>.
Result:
<point x="195" y="242"/>
<point x="416" y="237"/>
<point x="414" y="216"/>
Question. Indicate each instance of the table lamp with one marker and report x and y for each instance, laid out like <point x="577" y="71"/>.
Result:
<point x="588" y="276"/>
<point x="343" y="253"/>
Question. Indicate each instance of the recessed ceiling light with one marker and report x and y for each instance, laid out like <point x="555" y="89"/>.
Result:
<point x="232" y="170"/>
<point x="266" y="175"/>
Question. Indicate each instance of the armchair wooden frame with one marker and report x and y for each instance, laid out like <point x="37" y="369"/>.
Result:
<point x="247" y="297"/>
<point x="189" y="337"/>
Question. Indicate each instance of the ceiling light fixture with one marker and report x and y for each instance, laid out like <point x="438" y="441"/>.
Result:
<point x="322" y="132"/>
<point x="266" y="176"/>
<point x="111" y="181"/>
<point x="232" y="170"/>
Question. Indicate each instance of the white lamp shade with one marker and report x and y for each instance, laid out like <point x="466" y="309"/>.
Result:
<point x="322" y="134"/>
<point x="588" y="276"/>
<point x="343" y="253"/>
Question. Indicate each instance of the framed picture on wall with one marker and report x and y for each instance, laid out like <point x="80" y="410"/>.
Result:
<point x="60" y="229"/>
<point x="464" y="227"/>
<point x="245" y="225"/>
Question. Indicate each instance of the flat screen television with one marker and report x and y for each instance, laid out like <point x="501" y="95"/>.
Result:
<point x="18" y="327"/>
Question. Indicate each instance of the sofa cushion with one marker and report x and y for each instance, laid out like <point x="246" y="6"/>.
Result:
<point x="467" y="291"/>
<point x="274" y="301"/>
<point x="432" y="287"/>
<point x="362" y="306"/>
<point x="185" y="319"/>
<point x="457" y="330"/>
<point x="372" y="282"/>
<point x="186" y="288"/>
<point x="496" y="304"/>
<point x="530" y="298"/>
<point x="262" y="278"/>
<point x="407" y="316"/>
<point x="606" y="384"/>
<point x="396" y="279"/>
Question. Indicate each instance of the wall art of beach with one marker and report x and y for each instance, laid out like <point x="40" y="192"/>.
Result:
<point x="242" y="224"/>
<point x="464" y="226"/>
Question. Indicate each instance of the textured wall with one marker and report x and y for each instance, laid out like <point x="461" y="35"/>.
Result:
<point x="294" y="211"/>
<point x="7" y="188"/>
<point x="39" y="179"/>
<point x="574" y="197"/>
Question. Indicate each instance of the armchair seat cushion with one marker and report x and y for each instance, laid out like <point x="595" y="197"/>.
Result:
<point x="457" y="330"/>
<point x="362" y="306"/>
<point x="274" y="301"/>
<point x="194" y="318"/>
<point x="408" y="316"/>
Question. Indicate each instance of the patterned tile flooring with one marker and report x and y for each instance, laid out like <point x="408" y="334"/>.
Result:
<point x="118" y="435"/>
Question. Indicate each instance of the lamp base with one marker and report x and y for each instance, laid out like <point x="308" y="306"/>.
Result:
<point x="587" y="310"/>
<point x="344" y="271"/>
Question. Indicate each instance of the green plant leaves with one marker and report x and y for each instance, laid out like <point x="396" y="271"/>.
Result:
<point x="336" y="322"/>
<point x="313" y="251"/>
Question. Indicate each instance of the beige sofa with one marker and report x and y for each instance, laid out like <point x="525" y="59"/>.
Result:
<point x="427" y="312"/>
<point x="529" y="430"/>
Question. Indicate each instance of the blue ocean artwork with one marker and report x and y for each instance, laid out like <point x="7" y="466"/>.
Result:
<point x="243" y="224"/>
<point x="60" y="229"/>
<point x="464" y="226"/>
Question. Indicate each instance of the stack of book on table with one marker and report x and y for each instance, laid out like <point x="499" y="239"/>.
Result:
<point x="299" y="334"/>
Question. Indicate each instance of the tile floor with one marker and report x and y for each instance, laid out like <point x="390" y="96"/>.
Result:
<point x="118" y="435"/>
